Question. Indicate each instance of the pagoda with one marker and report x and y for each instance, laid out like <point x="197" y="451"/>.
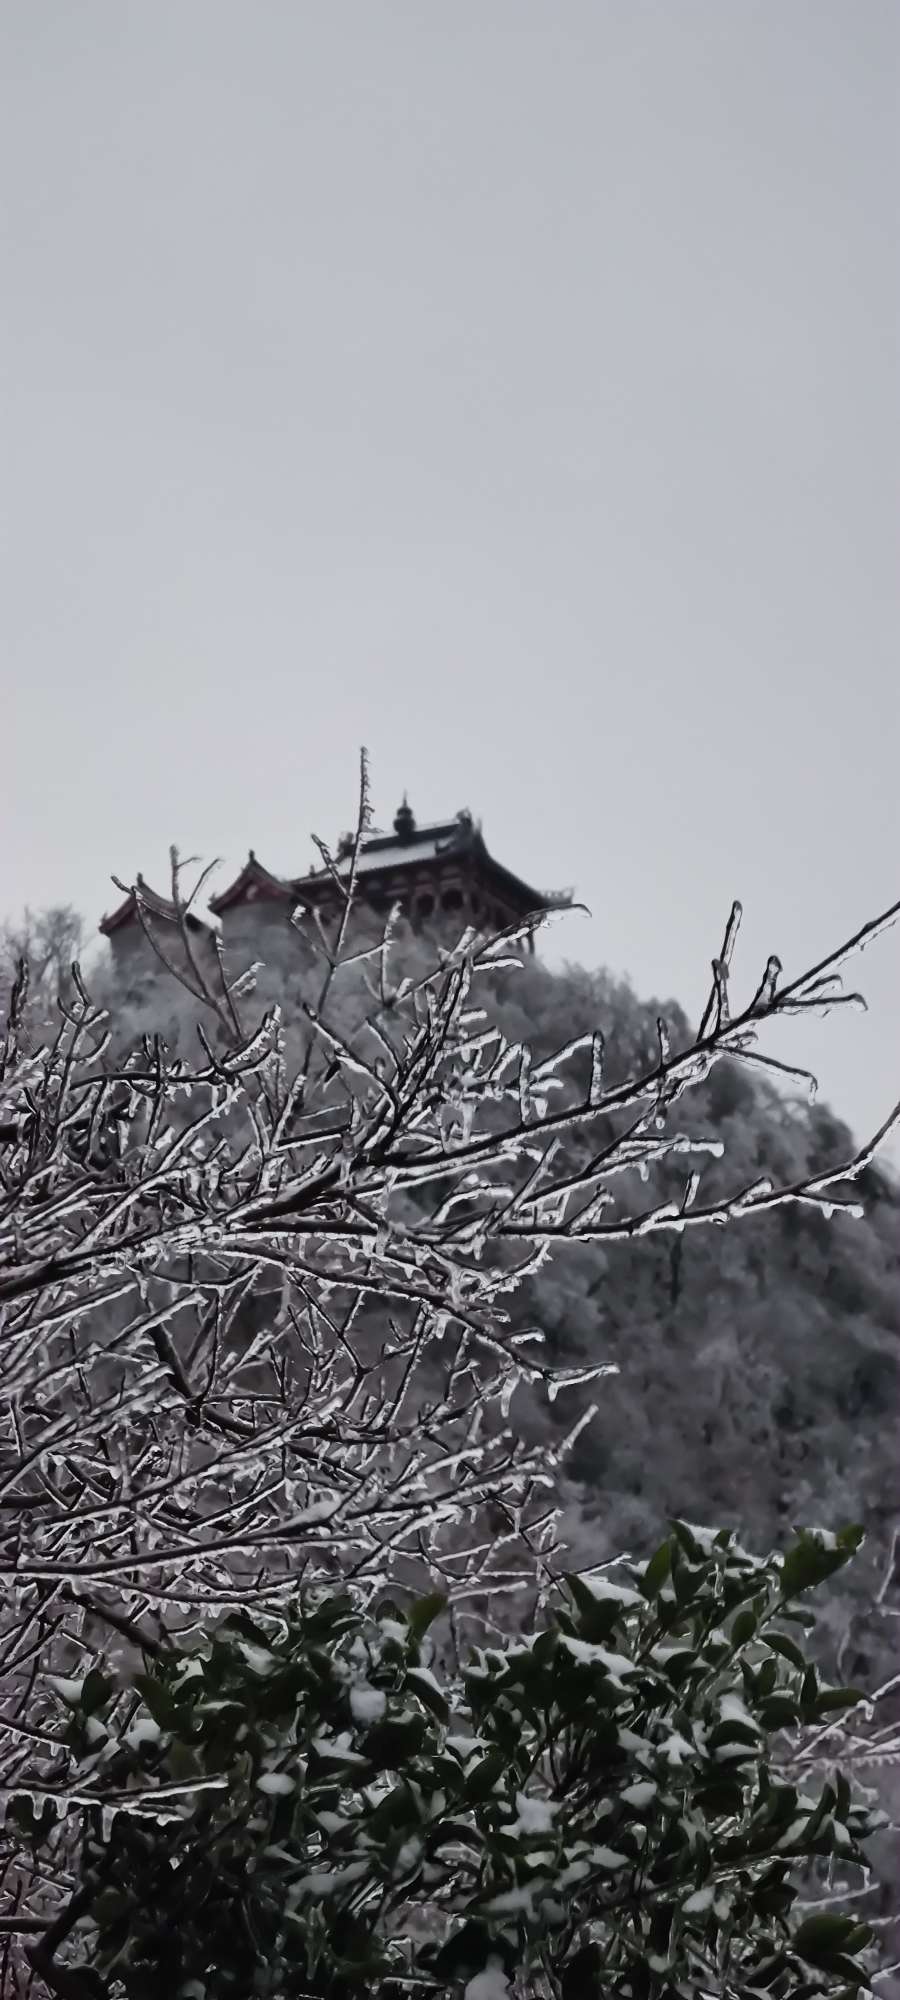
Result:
<point x="441" y="876"/>
<point x="147" y="924"/>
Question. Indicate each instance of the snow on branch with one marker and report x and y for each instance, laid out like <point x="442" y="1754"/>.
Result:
<point x="251" y="1330"/>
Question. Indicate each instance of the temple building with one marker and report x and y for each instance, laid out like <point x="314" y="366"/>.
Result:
<point x="137" y="936"/>
<point x="442" y="875"/>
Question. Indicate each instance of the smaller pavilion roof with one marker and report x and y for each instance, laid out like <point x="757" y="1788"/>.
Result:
<point x="252" y="881"/>
<point x="154" y="905"/>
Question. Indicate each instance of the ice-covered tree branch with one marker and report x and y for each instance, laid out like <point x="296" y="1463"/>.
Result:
<point x="252" y="1321"/>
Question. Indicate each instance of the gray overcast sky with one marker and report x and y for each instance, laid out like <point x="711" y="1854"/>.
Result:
<point x="511" y="387"/>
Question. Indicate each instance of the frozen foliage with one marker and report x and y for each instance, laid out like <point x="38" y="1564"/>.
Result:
<point x="526" y="1810"/>
<point x="49" y="942"/>
<point x="259" y="1305"/>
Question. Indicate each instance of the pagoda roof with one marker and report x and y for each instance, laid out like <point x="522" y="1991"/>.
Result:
<point x="409" y="845"/>
<point x="253" y="876"/>
<point x="154" y="905"/>
<point x="404" y="849"/>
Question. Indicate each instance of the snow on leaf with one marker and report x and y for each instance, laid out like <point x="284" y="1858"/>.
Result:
<point x="603" y="1588"/>
<point x="637" y="1745"/>
<point x="192" y="1670"/>
<point x="733" y="1709"/>
<point x="259" y="1659"/>
<point x="640" y="1793"/>
<point x="322" y="1882"/>
<point x="70" y="1690"/>
<point x="533" y="1815"/>
<point x="512" y="1902"/>
<point x="465" y="1746"/>
<point x="276" y="1784"/>
<point x="615" y="1664"/>
<point x="338" y="1748"/>
<point x="367" y="1704"/>
<point x="676" y="1748"/>
<point x="142" y="1730"/>
<point x="424" y="1677"/>
<point x="491" y="1984"/>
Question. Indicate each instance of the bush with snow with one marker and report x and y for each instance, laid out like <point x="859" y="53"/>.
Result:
<point x="255" y="1336"/>
<point x="309" y="1806"/>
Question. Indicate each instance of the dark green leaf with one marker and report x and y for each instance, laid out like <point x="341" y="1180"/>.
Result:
<point x="427" y="1693"/>
<point x="390" y="1744"/>
<point x="686" y="1582"/>
<point x="779" y="1712"/>
<point x="424" y="1612"/>
<point x="688" y="1541"/>
<point x="95" y="1691"/>
<point x="351" y="1937"/>
<point x="447" y="1832"/>
<point x="767" y="1971"/>
<point x="734" y="1733"/>
<point x="767" y="1678"/>
<point x="809" y="1688"/>
<point x="831" y="1700"/>
<point x="787" y="1648"/>
<point x="483" y="1777"/>
<point x="657" y="1571"/>
<point x="827" y="1931"/>
<point x="722" y="1799"/>
<point x="583" y="1975"/>
<point x="841" y="1796"/>
<point x="810" y="1561"/>
<point x="597" y="1616"/>
<point x="157" y="1699"/>
<point x="467" y="1951"/>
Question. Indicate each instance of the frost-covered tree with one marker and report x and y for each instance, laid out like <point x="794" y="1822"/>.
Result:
<point x="256" y="1327"/>
<point x="49" y="942"/>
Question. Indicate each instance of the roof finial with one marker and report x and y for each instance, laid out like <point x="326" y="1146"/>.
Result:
<point x="405" y="821"/>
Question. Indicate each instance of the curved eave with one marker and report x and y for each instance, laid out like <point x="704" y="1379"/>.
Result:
<point x="125" y="914"/>
<point x="321" y="887"/>
<point x="252" y="876"/>
<point x="512" y="886"/>
<point x="127" y="911"/>
<point x="313" y="888"/>
<point x="153" y="906"/>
